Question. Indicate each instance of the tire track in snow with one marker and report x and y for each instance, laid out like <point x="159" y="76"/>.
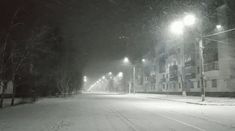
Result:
<point x="124" y="119"/>
<point x="60" y="125"/>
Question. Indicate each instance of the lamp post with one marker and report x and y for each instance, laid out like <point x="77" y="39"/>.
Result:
<point x="84" y="81"/>
<point x="189" y="20"/>
<point x="127" y="61"/>
<point x="203" y="92"/>
<point x="177" y="27"/>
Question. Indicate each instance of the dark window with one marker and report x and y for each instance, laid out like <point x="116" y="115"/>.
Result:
<point x="162" y="65"/>
<point x="214" y="83"/>
<point x="178" y="50"/>
<point x="173" y="73"/>
<point x="210" y="54"/>
<point x="198" y="84"/>
<point x="179" y="86"/>
<point x="192" y="84"/>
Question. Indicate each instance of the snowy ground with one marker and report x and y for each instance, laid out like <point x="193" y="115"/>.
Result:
<point x="216" y="101"/>
<point x="102" y="112"/>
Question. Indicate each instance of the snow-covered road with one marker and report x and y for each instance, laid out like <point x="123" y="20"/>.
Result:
<point x="91" y="112"/>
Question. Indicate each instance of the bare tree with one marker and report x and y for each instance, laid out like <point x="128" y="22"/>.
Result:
<point x="6" y="54"/>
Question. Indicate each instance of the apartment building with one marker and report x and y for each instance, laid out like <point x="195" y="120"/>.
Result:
<point x="176" y="65"/>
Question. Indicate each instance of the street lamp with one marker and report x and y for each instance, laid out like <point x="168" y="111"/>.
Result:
<point x="85" y="79"/>
<point x="103" y="77"/>
<point x="126" y="60"/>
<point x="120" y="74"/>
<point x="219" y="27"/>
<point x="143" y="60"/>
<point x="189" y="20"/>
<point x="177" y="27"/>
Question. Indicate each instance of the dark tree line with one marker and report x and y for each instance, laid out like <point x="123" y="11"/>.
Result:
<point x="34" y="55"/>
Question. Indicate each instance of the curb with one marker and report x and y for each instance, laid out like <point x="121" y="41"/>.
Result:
<point x="195" y="103"/>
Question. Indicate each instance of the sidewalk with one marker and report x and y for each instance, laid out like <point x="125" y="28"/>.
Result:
<point x="7" y="101"/>
<point x="216" y="101"/>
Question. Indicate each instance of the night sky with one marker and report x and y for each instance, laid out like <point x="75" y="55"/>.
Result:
<point x="108" y="30"/>
<point x="99" y="33"/>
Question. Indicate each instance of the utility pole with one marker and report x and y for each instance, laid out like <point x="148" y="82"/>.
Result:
<point x="201" y="48"/>
<point x="182" y="69"/>
<point x="202" y="69"/>
<point x="133" y="79"/>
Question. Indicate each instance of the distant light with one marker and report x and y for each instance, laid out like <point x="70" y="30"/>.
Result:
<point x="143" y="60"/>
<point x="85" y="78"/>
<point x="110" y="73"/>
<point x="189" y="20"/>
<point x="219" y="27"/>
<point x="120" y="74"/>
<point x="126" y="60"/>
<point x="177" y="27"/>
<point x="103" y="77"/>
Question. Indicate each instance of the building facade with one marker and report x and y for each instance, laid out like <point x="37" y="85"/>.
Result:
<point x="176" y="65"/>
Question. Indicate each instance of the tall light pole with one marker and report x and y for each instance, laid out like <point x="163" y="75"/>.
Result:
<point x="177" y="27"/>
<point x="84" y="81"/>
<point x="133" y="79"/>
<point x="203" y="92"/>
<point x="189" y="20"/>
<point x="127" y="61"/>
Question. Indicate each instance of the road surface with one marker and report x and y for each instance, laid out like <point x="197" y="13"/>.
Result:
<point x="103" y="112"/>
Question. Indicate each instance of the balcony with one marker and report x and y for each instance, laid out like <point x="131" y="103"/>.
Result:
<point x="211" y="66"/>
<point x="163" y="80"/>
<point x="173" y="73"/>
<point x="189" y="63"/>
<point x="173" y="77"/>
<point x="190" y="69"/>
<point x="190" y="76"/>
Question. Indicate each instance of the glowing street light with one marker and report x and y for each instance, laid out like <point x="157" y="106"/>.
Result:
<point x="110" y="73"/>
<point x="143" y="60"/>
<point x="103" y="77"/>
<point x="219" y="27"/>
<point x="120" y="74"/>
<point x="189" y="20"/>
<point x="177" y="27"/>
<point x="126" y="60"/>
<point x="85" y="78"/>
